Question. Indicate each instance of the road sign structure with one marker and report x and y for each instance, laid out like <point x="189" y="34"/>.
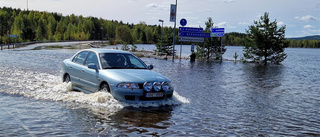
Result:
<point x="191" y="39"/>
<point x="12" y="36"/>
<point x="183" y="22"/>
<point x="189" y="29"/>
<point x="192" y="34"/>
<point x="217" y="32"/>
<point x="173" y="12"/>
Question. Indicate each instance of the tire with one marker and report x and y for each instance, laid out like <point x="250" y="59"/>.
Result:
<point x="66" y="78"/>
<point x="105" y="87"/>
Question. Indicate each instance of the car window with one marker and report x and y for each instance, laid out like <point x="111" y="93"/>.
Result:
<point x="136" y="62"/>
<point x="92" y="59"/>
<point x="120" y="61"/>
<point x="81" y="57"/>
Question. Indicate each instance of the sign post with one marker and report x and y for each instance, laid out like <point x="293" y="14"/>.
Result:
<point x="8" y="40"/>
<point x="187" y="34"/>
<point x="173" y="16"/>
<point x="183" y="22"/>
<point x="218" y="32"/>
<point x="192" y="48"/>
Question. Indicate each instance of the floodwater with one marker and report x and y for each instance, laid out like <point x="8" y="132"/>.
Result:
<point x="211" y="99"/>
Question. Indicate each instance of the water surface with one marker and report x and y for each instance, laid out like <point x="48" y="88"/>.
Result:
<point x="211" y="99"/>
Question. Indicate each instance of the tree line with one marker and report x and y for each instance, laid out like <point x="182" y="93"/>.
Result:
<point x="239" y="39"/>
<point x="45" y="26"/>
<point x="42" y="26"/>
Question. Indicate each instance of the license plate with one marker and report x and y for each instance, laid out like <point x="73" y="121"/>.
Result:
<point x="156" y="94"/>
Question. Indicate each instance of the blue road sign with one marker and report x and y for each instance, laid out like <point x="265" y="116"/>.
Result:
<point x="183" y="22"/>
<point x="217" y="32"/>
<point x="188" y="29"/>
<point x="217" y="29"/>
<point x="194" y="34"/>
<point x="12" y="36"/>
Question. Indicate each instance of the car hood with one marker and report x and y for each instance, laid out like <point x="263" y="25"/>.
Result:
<point x="133" y="75"/>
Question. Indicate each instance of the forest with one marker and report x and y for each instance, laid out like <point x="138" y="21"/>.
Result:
<point x="44" y="26"/>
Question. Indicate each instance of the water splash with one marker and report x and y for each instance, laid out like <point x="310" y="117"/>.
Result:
<point x="45" y="86"/>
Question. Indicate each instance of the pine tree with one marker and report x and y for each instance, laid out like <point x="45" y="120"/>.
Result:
<point x="266" y="42"/>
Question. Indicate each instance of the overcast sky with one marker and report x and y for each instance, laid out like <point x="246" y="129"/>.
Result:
<point x="302" y="17"/>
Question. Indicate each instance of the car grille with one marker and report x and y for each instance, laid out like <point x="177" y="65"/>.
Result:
<point x="140" y="85"/>
<point x="142" y="98"/>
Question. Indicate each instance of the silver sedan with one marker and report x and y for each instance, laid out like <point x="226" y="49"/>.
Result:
<point x="121" y="73"/>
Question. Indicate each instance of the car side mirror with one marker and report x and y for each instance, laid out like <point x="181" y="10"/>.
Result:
<point x="93" y="66"/>
<point x="150" y="67"/>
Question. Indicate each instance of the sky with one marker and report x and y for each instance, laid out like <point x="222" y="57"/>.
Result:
<point x="301" y="17"/>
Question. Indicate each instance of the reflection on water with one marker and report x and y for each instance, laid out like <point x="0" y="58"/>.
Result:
<point x="211" y="99"/>
<point x="127" y="121"/>
<point x="263" y="78"/>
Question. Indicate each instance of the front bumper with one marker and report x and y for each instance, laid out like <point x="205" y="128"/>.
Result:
<point x="138" y="95"/>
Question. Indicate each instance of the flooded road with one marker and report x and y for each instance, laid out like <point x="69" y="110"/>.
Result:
<point x="211" y="99"/>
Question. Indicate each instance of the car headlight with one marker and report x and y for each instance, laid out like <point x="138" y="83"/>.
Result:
<point x="156" y="86"/>
<point x="147" y="86"/>
<point x="166" y="86"/>
<point x="128" y="85"/>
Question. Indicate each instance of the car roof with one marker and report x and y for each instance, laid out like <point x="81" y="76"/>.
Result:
<point x="106" y="50"/>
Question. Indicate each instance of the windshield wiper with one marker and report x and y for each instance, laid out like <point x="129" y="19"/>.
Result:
<point x="136" y="68"/>
<point x="114" y="68"/>
<point x="124" y="68"/>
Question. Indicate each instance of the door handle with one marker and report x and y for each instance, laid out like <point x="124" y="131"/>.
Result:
<point x="82" y="70"/>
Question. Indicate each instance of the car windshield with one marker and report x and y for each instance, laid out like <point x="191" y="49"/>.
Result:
<point x="120" y="61"/>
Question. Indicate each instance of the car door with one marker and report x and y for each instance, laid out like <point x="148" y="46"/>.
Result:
<point x="75" y="69"/>
<point x="90" y="77"/>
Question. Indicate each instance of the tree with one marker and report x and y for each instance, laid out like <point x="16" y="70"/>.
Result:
<point x="3" y="23"/>
<point x="211" y="47"/>
<point x="266" y="42"/>
<point x="123" y="32"/>
<point x="58" y="35"/>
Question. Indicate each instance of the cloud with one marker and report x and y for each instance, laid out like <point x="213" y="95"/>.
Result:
<point x="307" y="18"/>
<point x="131" y="1"/>
<point x="227" y="1"/>
<point x="308" y="27"/>
<point x="4" y="4"/>
<point x="157" y="7"/>
<point x="243" y="23"/>
<point x="280" y="23"/>
<point x="152" y="5"/>
<point x="224" y="25"/>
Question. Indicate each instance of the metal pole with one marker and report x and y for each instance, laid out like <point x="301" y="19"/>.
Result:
<point x="94" y="38"/>
<point x="180" y="49"/>
<point x="174" y="31"/>
<point x="101" y="35"/>
<point x="161" y="37"/>
<point x="221" y="50"/>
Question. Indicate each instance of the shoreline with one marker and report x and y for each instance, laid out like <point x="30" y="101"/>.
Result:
<point x="93" y="44"/>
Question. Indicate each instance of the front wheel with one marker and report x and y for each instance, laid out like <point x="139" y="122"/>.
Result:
<point x="105" y="87"/>
<point x="66" y="78"/>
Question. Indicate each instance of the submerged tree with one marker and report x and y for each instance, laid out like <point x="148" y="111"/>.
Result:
<point x="212" y="46"/>
<point x="266" y="42"/>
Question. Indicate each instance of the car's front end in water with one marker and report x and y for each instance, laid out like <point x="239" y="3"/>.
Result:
<point x="121" y="73"/>
<point x="139" y="86"/>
